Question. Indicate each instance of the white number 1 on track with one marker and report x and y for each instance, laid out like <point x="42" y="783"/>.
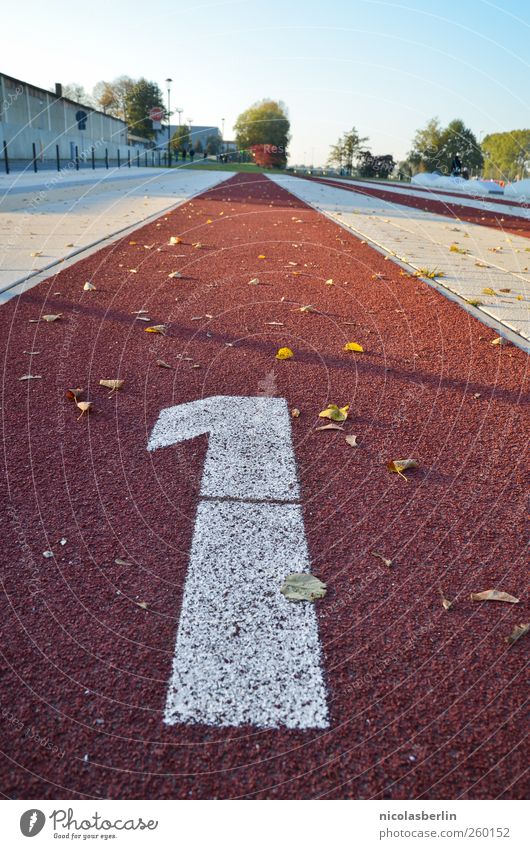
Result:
<point x="244" y="654"/>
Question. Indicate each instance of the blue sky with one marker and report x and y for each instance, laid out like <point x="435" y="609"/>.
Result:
<point x="385" y="67"/>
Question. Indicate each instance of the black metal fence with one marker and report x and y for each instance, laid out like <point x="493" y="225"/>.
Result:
<point x="104" y="157"/>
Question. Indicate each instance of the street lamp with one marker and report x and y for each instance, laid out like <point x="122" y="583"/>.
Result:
<point x="180" y="110"/>
<point x="190" y="142"/>
<point x="168" y="84"/>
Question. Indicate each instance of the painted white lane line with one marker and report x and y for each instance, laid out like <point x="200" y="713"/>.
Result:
<point x="416" y="239"/>
<point x="244" y="654"/>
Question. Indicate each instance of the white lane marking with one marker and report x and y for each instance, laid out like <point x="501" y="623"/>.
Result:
<point x="244" y="654"/>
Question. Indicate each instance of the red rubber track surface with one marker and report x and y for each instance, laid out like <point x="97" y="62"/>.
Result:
<point x="424" y="703"/>
<point x="502" y="220"/>
<point x="404" y="187"/>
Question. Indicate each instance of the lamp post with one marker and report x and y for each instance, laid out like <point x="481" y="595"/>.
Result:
<point x="168" y="84"/>
<point x="180" y="110"/>
<point x="190" y="142"/>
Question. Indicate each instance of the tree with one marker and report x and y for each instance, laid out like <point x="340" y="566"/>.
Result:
<point x="507" y="155"/>
<point x="111" y="97"/>
<point x="142" y="96"/>
<point x="264" y="123"/>
<point x="433" y="147"/>
<point x="181" y="138"/>
<point x="375" y="166"/>
<point x="213" y="144"/>
<point x="348" y="148"/>
<point x="75" y="91"/>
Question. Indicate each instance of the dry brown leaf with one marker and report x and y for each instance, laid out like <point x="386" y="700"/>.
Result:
<point x="55" y="317"/>
<point x="351" y="440"/>
<point x="494" y="595"/>
<point x="175" y="240"/>
<point x="518" y="631"/>
<point x="382" y="557"/>
<point x="330" y="426"/>
<point x="120" y="562"/>
<point x="113" y="384"/>
<point x="175" y="274"/>
<point x="399" y="466"/>
<point x="142" y="604"/>
<point x="295" y="413"/>
<point x="446" y="603"/>
<point x="89" y="287"/>
<point x="302" y="586"/>
<point x="500" y="340"/>
<point x="254" y="281"/>
<point x="162" y="364"/>
<point x="74" y="394"/>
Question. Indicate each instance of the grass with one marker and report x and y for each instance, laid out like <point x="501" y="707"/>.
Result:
<point x="240" y="167"/>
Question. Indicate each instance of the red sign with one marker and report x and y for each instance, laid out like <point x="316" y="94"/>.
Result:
<point x="156" y="113"/>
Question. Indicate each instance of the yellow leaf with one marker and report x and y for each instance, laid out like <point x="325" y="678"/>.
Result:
<point x="399" y="466"/>
<point x="335" y="413"/>
<point x="157" y="328"/>
<point x="329" y="282"/>
<point x="494" y="595"/>
<point x="295" y="413"/>
<point x="353" y="346"/>
<point x="262" y="256"/>
<point x="175" y="240"/>
<point x="489" y="291"/>
<point x="284" y="354"/>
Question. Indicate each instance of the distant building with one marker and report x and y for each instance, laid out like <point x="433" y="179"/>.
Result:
<point x="34" y="116"/>
<point x="199" y="135"/>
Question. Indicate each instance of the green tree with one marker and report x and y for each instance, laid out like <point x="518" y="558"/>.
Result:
<point x="213" y="144"/>
<point x="265" y="122"/>
<point x="140" y="98"/>
<point x="507" y="155"/>
<point x="347" y="148"/>
<point x="181" y="138"/>
<point x="434" y="147"/>
<point x="111" y="97"/>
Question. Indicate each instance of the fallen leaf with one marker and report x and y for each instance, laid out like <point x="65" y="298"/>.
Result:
<point x="284" y="354"/>
<point x="382" y="557"/>
<point x="36" y="253"/>
<point x="262" y="256"/>
<point x="162" y="364"/>
<point x="149" y="247"/>
<point x="197" y="245"/>
<point x="399" y="466"/>
<point x="31" y="377"/>
<point x="113" y="384"/>
<point x="301" y="586"/>
<point x="73" y="394"/>
<point x="133" y="271"/>
<point x="132" y="243"/>
<point x="175" y="240"/>
<point x="505" y="290"/>
<point x="353" y="346"/>
<point x="307" y="308"/>
<point x="475" y="302"/>
<point x="175" y="274"/>
<point x="55" y="317"/>
<point x="89" y="287"/>
<point x="140" y="312"/>
<point x="275" y="323"/>
<point x="120" y="562"/>
<point x="334" y="412"/>
<point x="489" y="291"/>
<point x="446" y="604"/>
<point x="254" y="281"/>
<point x="351" y="440"/>
<point x="329" y="282"/>
<point x="518" y="632"/>
<point x="500" y="340"/>
<point x="142" y="604"/>
<point x="157" y="328"/>
<point x="482" y="265"/>
<point x="295" y="413"/>
<point x="494" y="595"/>
<point x="84" y="406"/>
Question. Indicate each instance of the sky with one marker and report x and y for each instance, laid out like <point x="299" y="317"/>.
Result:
<point x="384" y="67"/>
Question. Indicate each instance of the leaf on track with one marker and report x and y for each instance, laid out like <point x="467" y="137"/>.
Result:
<point x="74" y="394"/>
<point x="295" y="413"/>
<point x="49" y="318"/>
<point x="330" y="427"/>
<point x="335" y="413"/>
<point x="494" y="595"/>
<point x="157" y="328"/>
<point x="175" y="240"/>
<point x="353" y="346"/>
<point x="197" y="245"/>
<point x="519" y="631"/>
<point x="31" y="377"/>
<point x="352" y="440"/>
<point x="488" y="291"/>
<point x="89" y="287"/>
<point x="142" y="604"/>
<point x="284" y="354"/>
<point x="175" y="274"/>
<point x="84" y="406"/>
<point x="301" y="586"/>
<point x="446" y="603"/>
<point x="399" y="466"/>
<point x="381" y="557"/>
<point x="119" y="562"/>
<point x="36" y="253"/>
<point x="329" y="282"/>
<point x="254" y="281"/>
<point x="113" y="384"/>
<point x="163" y="364"/>
<point x="500" y="340"/>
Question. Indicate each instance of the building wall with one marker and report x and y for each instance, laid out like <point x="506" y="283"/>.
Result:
<point x="33" y="115"/>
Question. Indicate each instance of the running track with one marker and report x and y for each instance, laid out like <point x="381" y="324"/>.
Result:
<point x="423" y="703"/>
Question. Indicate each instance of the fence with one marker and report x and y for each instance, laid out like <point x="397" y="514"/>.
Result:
<point x="107" y="157"/>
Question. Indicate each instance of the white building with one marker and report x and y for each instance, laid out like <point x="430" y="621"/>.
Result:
<point x="34" y="116"/>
